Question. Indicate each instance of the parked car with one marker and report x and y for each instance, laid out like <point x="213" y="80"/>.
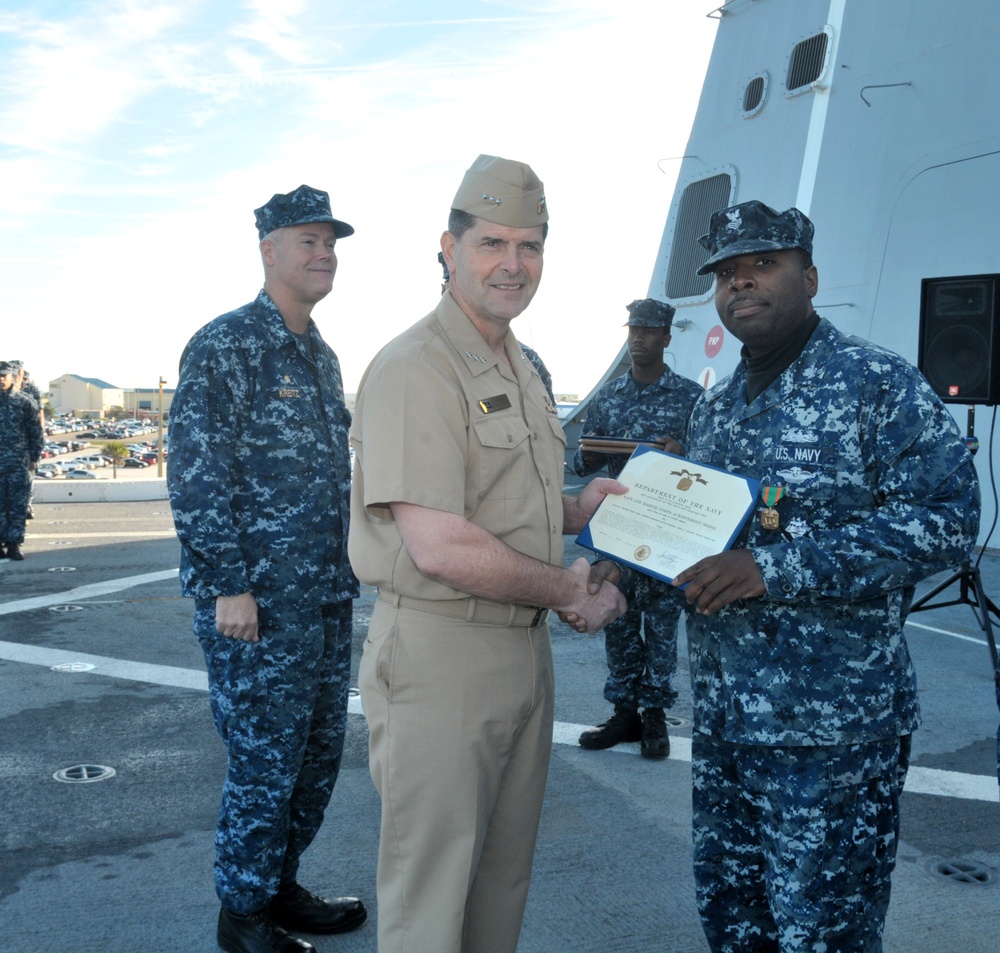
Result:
<point x="81" y="475"/>
<point x="135" y="462"/>
<point x="46" y="471"/>
<point x="93" y="461"/>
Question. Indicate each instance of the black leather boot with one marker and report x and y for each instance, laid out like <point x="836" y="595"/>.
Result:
<point x="256" y="933"/>
<point x="623" y="725"/>
<point x="296" y="908"/>
<point x="655" y="740"/>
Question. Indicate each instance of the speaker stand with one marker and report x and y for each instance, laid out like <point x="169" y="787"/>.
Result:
<point x="971" y="594"/>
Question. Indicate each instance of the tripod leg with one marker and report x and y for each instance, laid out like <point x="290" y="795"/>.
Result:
<point x="987" y="606"/>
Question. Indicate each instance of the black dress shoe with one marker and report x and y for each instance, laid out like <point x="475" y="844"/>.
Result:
<point x="14" y="552"/>
<point x="295" y="908"/>
<point x="256" y="933"/>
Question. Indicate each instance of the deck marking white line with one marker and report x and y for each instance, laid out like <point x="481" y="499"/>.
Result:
<point x="968" y="787"/>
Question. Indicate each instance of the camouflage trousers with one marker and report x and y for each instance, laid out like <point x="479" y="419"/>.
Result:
<point x="641" y="645"/>
<point x="794" y="846"/>
<point x="15" y="488"/>
<point x="280" y="705"/>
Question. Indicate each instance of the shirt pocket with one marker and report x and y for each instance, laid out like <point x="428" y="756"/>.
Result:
<point x="504" y="465"/>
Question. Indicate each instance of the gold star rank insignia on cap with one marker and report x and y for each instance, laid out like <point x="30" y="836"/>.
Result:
<point x="541" y="205"/>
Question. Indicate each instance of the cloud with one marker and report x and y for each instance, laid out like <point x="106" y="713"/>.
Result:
<point x="134" y="213"/>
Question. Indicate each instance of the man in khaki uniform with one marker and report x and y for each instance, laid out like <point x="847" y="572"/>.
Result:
<point x="457" y="515"/>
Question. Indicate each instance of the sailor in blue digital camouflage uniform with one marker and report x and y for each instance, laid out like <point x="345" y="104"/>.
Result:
<point x="650" y="403"/>
<point x="21" y="441"/>
<point x="805" y="696"/>
<point x="259" y="480"/>
<point x="25" y="385"/>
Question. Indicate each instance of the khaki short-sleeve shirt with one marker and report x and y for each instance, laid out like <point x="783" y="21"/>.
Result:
<point x="441" y="422"/>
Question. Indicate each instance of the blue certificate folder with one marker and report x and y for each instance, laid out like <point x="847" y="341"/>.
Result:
<point x="676" y="512"/>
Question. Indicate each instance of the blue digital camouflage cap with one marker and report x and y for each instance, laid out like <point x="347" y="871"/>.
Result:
<point x="649" y="313"/>
<point x="752" y="227"/>
<point x="305" y="204"/>
<point x="6" y="367"/>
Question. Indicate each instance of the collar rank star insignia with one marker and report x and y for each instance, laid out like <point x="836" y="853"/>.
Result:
<point x="769" y="518"/>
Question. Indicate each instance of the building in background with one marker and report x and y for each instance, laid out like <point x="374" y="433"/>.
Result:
<point x="84" y="396"/>
<point x="93" y="397"/>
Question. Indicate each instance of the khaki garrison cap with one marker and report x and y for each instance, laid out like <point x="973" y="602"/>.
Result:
<point x="503" y="192"/>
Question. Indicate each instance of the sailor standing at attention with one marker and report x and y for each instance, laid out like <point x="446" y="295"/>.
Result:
<point x="259" y="480"/>
<point x="21" y="441"/>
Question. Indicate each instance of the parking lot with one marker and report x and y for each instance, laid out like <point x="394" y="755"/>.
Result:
<point x="80" y="454"/>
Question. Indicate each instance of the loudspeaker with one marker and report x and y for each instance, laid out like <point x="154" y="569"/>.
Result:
<point x="959" y="344"/>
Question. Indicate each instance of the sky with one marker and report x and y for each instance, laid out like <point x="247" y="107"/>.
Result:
<point x="137" y="137"/>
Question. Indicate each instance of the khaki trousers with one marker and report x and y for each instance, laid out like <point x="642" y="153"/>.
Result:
<point x="460" y="719"/>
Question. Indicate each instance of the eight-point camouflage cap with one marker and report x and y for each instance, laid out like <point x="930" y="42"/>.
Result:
<point x="649" y="313"/>
<point x="6" y="367"/>
<point x="504" y="192"/>
<point x="305" y="204"/>
<point x="751" y="227"/>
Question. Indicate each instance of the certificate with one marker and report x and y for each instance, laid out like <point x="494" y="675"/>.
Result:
<point x="675" y="513"/>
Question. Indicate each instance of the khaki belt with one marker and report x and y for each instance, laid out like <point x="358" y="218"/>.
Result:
<point x="472" y="610"/>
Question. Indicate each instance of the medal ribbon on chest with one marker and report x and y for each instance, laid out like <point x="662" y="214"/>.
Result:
<point x="769" y="518"/>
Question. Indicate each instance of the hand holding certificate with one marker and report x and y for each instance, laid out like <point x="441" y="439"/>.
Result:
<point x="675" y="513"/>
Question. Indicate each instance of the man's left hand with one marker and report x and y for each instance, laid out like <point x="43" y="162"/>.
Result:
<point x="718" y="580"/>
<point x="591" y="496"/>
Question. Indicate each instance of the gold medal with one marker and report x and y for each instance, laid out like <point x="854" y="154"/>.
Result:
<point x="769" y="518"/>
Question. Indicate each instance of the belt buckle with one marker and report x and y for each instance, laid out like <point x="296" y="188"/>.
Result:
<point x="541" y="614"/>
